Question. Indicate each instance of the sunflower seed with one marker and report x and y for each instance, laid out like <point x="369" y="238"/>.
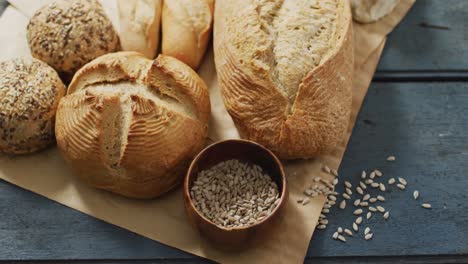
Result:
<point x="386" y="215"/>
<point x="363" y="175"/>
<point x="327" y="206"/>
<point x="359" y="220"/>
<point x="322" y="216"/>
<point x="357" y="202"/>
<point x="401" y="186"/>
<point x="348" y="184"/>
<point x="317" y="179"/>
<point x="321" y="227"/>
<point x="340" y="230"/>
<point x="348" y="232"/>
<point x="369" y="215"/>
<point x="334" y="172"/>
<point x="335" y="235"/>
<point x="348" y="191"/>
<point x="357" y="211"/>
<point x="416" y="194"/>
<point x="391" y="158"/>
<point x="378" y="173"/>
<point x="335" y="181"/>
<point x="372" y="209"/>
<point x="375" y="185"/>
<point x="373" y="200"/>
<point x="300" y="200"/>
<point x="355" y="227"/>
<point x="391" y="181"/>
<point x="325" y="210"/>
<point x="380" y="208"/>
<point x="332" y="197"/>
<point x="342" y="238"/>
<point x="331" y="202"/>
<point x="323" y="221"/>
<point x="426" y="205"/>
<point x="366" y="197"/>
<point x="343" y="204"/>
<point x="372" y="175"/>
<point x="381" y="198"/>
<point x="326" y="169"/>
<point x="359" y="190"/>
<point x="366" y="231"/>
<point x="368" y="181"/>
<point x="305" y="201"/>
<point x="369" y="236"/>
<point x="364" y="204"/>
<point x="363" y="185"/>
<point x="402" y="181"/>
<point x="382" y="187"/>
<point x="346" y="196"/>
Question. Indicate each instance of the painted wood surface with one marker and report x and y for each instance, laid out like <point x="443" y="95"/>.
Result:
<point x="422" y="123"/>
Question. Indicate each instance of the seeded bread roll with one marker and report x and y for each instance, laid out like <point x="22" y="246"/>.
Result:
<point x="131" y="125"/>
<point x="186" y="29"/>
<point x="29" y="94"/>
<point x="139" y="25"/>
<point x="68" y="34"/>
<point x="285" y="69"/>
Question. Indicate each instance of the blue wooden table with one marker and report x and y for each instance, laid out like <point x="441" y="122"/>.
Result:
<point x="416" y="109"/>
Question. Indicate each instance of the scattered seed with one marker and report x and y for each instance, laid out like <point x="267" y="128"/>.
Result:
<point x="366" y="231"/>
<point x="382" y="187"/>
<point x="386" y="215"/>
<point x="369" y="181"/>
<point x="369" y="215"/>
<point x="348" y="184"/>
<point x="363" y="175"/>
<point x="348" y="191"/>
<point x="366" y="197"/>
<point x="334" y="172"/>
<point x="321" y="227"/>
<point x="357" y="211"/>
<point x="373" y="200"/>
<point x="375" y="185"/>
<point x="426" y="205"/>
<point x="369" y="236"/>
<point x="391" y="158"/>
<point x="346" y="196"/>
<point x="342" y="238"/>
<point x="305" y="201"/>
<point x="340" y="230"/>
<point x="326" y="169"/>
<point x="335" y="235"/>
<point x="372" y="209"/>
<point x="357" y="202"/>
<point x="335" y="181"/>
<point x="372" y="175"/>
<point x="363" y="185"/>
<point x="359" y="190"/>
<point x="402" y="181"/>
<point x="380" y="208"/>
<point x="343" y="204"/>
<point x="348" y="232"/>
<point x="391" y="181"/>
<point x="378" y="173"/>
<point x="416" y="194"/>
<point x="364" y="204"/>
<point x="401" y="186"/>
<point x="355" y="227"/>
<point x="359" y="220"/>
<point x="317" y="179"/>
<point x="381" y="198"/>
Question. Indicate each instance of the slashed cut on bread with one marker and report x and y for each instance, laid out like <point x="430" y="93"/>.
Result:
<point x="285" y="68"/>
<point x="131" y="125"/>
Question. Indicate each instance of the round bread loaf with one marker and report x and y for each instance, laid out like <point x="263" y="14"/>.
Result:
<point x="29" y="94"/>
<point x="286" y="72"/>
<point x="69" y="34"/>
<point x="131" y="125"/>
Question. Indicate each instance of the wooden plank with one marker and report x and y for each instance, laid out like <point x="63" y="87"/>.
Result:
<point x="423" y="124"/>
<point x="432" y="37"/>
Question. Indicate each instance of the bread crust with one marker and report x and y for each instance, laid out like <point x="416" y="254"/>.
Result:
<point x="186" y="29"/>
<point x="130" y="125"/>
<point x="297" y="115"/>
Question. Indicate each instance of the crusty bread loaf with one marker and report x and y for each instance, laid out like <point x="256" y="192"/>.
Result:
<point x="186" y="29"/>
<point x="285" y="69"/>
<point x="69" y="34"/>
<point x="139" y="25"/>
<point x="131" y="125"/>
<point x="29" y="94"/>
<point x="368" y="11"/>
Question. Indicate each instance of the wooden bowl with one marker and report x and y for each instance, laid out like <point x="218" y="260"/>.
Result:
<point x="235" y="238"/>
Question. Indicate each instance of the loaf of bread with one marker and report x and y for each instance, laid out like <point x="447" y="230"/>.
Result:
<point x="30" y="91"/>
<point x="368" y="11"/>
<point x="186" y="29"/>
<point x="139" y="25"/>
<point x="131" y="125"/>
<point x="68" y="34"/>
<point x="285" y="69"/>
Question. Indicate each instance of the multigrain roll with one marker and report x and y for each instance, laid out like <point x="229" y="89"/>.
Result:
<point x="186" y="29"/>
<point x="69" y="34"/>
<point x="285" y="69"/>
<point x="29" y="94"/>
<point x="131" y="125"/>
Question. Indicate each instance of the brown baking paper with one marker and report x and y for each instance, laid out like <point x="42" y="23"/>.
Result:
<point x="164" y="219"/>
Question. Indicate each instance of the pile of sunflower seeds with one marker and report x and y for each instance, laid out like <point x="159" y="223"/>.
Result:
<point x="234" y="194"/>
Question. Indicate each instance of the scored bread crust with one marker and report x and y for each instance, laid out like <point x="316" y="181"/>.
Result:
<point x="186" y="29"/>
<point x="131" y="125"/>
<point x="290" y="94"/>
